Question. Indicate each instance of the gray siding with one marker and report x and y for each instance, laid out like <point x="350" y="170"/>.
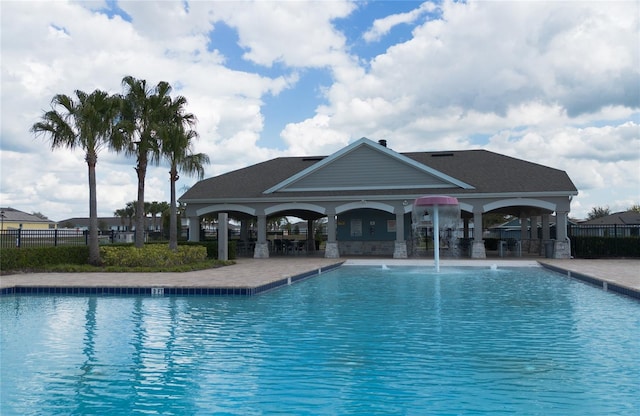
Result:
<point x="366" y="168"/>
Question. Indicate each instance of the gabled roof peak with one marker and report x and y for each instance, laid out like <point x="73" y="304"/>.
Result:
<point x="357" y="146"/>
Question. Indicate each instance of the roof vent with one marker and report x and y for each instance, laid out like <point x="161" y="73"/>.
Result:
<point x="382" y="142"/>
<point x="441" y="154"/>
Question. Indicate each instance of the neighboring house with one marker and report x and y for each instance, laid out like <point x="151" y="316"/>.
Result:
<point x="513" y="229"/>
<point x="108" y="223"/>
<point x="104" y="223"/>
<point x="619" y="224"/>
<point x="13" y="219"/>
<point x="620" y="218"/>
<point x="366" y="192"/>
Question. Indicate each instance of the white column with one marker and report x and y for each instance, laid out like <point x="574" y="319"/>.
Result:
<point x="546" y="232"/>
<point x="523" y="227"/>
<point x="223" y="236"/>
<point x="262" y="247"/>
<point x="400" y="245"/>
<point x="477" y="250"/>
<point x="310" y="236"/>
<point x="561" y="225"/>
<point x="194" y="229"/>
<point x="562" y="247"/>
<point x="331" y="249"/>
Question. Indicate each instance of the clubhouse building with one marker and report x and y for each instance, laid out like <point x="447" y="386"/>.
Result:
<point x="366" y="192"/>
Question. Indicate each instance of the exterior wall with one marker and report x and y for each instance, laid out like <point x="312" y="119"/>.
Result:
<point x="365" y="225"/>
<point x="366" y="248"/>
<point x="369" y="232"/>
<point x="354" y="172"/>
<point x="12" y="225"/>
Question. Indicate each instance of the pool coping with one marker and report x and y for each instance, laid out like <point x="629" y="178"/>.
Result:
<point x="604" y="284"/>
<point x="254" y="276"/>
<point x="165" y="289"/>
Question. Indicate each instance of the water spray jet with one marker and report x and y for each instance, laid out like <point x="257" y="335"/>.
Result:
<point x="436" y="206"/>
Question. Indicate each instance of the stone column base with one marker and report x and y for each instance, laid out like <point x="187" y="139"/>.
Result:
<point x="261" y="251"/>
<point x="562" y="249"/>
<point x="400" y="250"/>
<point x="478" y="251"/>
<point x="331" y="251"/>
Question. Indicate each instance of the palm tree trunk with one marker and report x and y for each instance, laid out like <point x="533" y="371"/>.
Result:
<point x="173" y="217"/>
<point x="141" y="171"/>
<point x="94" y="247"/>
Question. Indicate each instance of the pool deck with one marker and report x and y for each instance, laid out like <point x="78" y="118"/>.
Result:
<point x="252" y="276"/>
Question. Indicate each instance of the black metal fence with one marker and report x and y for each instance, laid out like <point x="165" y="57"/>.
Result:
<point x="604" y="241"/>
<point x="45" y="238"/>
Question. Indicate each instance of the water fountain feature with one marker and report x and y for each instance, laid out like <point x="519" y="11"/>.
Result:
<point x="444" y="212"/>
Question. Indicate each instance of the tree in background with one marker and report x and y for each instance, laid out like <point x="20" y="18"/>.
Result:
<point x="40" y="215"/>
<point x="598" y="212"/>
<point x="154" y="209"/>
<point x="492" y="218"/>
<point x="176" y="141"/>
<point x="128" y="212"/>
<point x="86" y="123"/>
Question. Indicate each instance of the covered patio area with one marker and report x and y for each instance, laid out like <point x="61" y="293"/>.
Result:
<point x="365" y="192"/>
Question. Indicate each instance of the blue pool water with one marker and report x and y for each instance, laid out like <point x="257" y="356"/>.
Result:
<point x="356" y="340"/>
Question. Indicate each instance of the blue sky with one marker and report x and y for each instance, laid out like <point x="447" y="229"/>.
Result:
<point x="555" y="83"/>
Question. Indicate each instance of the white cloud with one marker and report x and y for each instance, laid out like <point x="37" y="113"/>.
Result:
<point x="554" y="83"/>
<point x="383" y="26"/>
<point x="295" y="33"/>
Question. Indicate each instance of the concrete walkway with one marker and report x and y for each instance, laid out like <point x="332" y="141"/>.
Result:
<point x="245" y="273"/>
<point x="255" y="273"/>
<point x="610" y="274"/>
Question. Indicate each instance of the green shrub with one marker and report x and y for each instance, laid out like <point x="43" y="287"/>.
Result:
<point x="212" y="248"/>
<point x="605" y="247"/>
<point x="25" y="258"/>
<point x="152" y="255"/>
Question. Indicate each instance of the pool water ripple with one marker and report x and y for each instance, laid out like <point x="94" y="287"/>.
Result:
<point x="356" y="340"/>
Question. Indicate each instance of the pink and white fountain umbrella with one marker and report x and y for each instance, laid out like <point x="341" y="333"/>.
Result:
<point x="439" y="207"/>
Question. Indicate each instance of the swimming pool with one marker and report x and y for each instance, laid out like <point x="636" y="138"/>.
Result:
<point x="356" y="340"/>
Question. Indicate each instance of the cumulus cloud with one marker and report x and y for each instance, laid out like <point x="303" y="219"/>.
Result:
<point x="554" y="83"/>
<point x="383" y="26"/>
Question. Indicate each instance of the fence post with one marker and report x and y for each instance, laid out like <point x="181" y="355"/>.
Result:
<point x="55" y="237"/>
<point x="19" y="238"/>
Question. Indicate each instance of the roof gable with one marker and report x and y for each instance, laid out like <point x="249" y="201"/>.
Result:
<point x="350" y="169"/>
<point x="624" y="217"/>
<point x="14" y="215"/>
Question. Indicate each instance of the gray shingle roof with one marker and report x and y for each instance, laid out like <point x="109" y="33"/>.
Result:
<point x="621" y="218"/>
<point x="486" y="171"/>
<point x="14" y="215"/>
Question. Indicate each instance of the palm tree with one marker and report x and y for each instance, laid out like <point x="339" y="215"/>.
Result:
<point x="122" y="214"/>
<point x="87" y="123"/>
<point x="162" y="208"/>
<point x="142" y="111"/>
<point x="154" y="210"/>
<point x="130" y="212"/>
<point x="126" y="213"/>
<point x="176" y="142"/>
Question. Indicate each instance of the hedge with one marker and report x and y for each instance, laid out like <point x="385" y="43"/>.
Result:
<point x="26" y="258"/>
<point x="151" y="255"/>
<point x="605" y="247"/>
<point x="35" y="257"/>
